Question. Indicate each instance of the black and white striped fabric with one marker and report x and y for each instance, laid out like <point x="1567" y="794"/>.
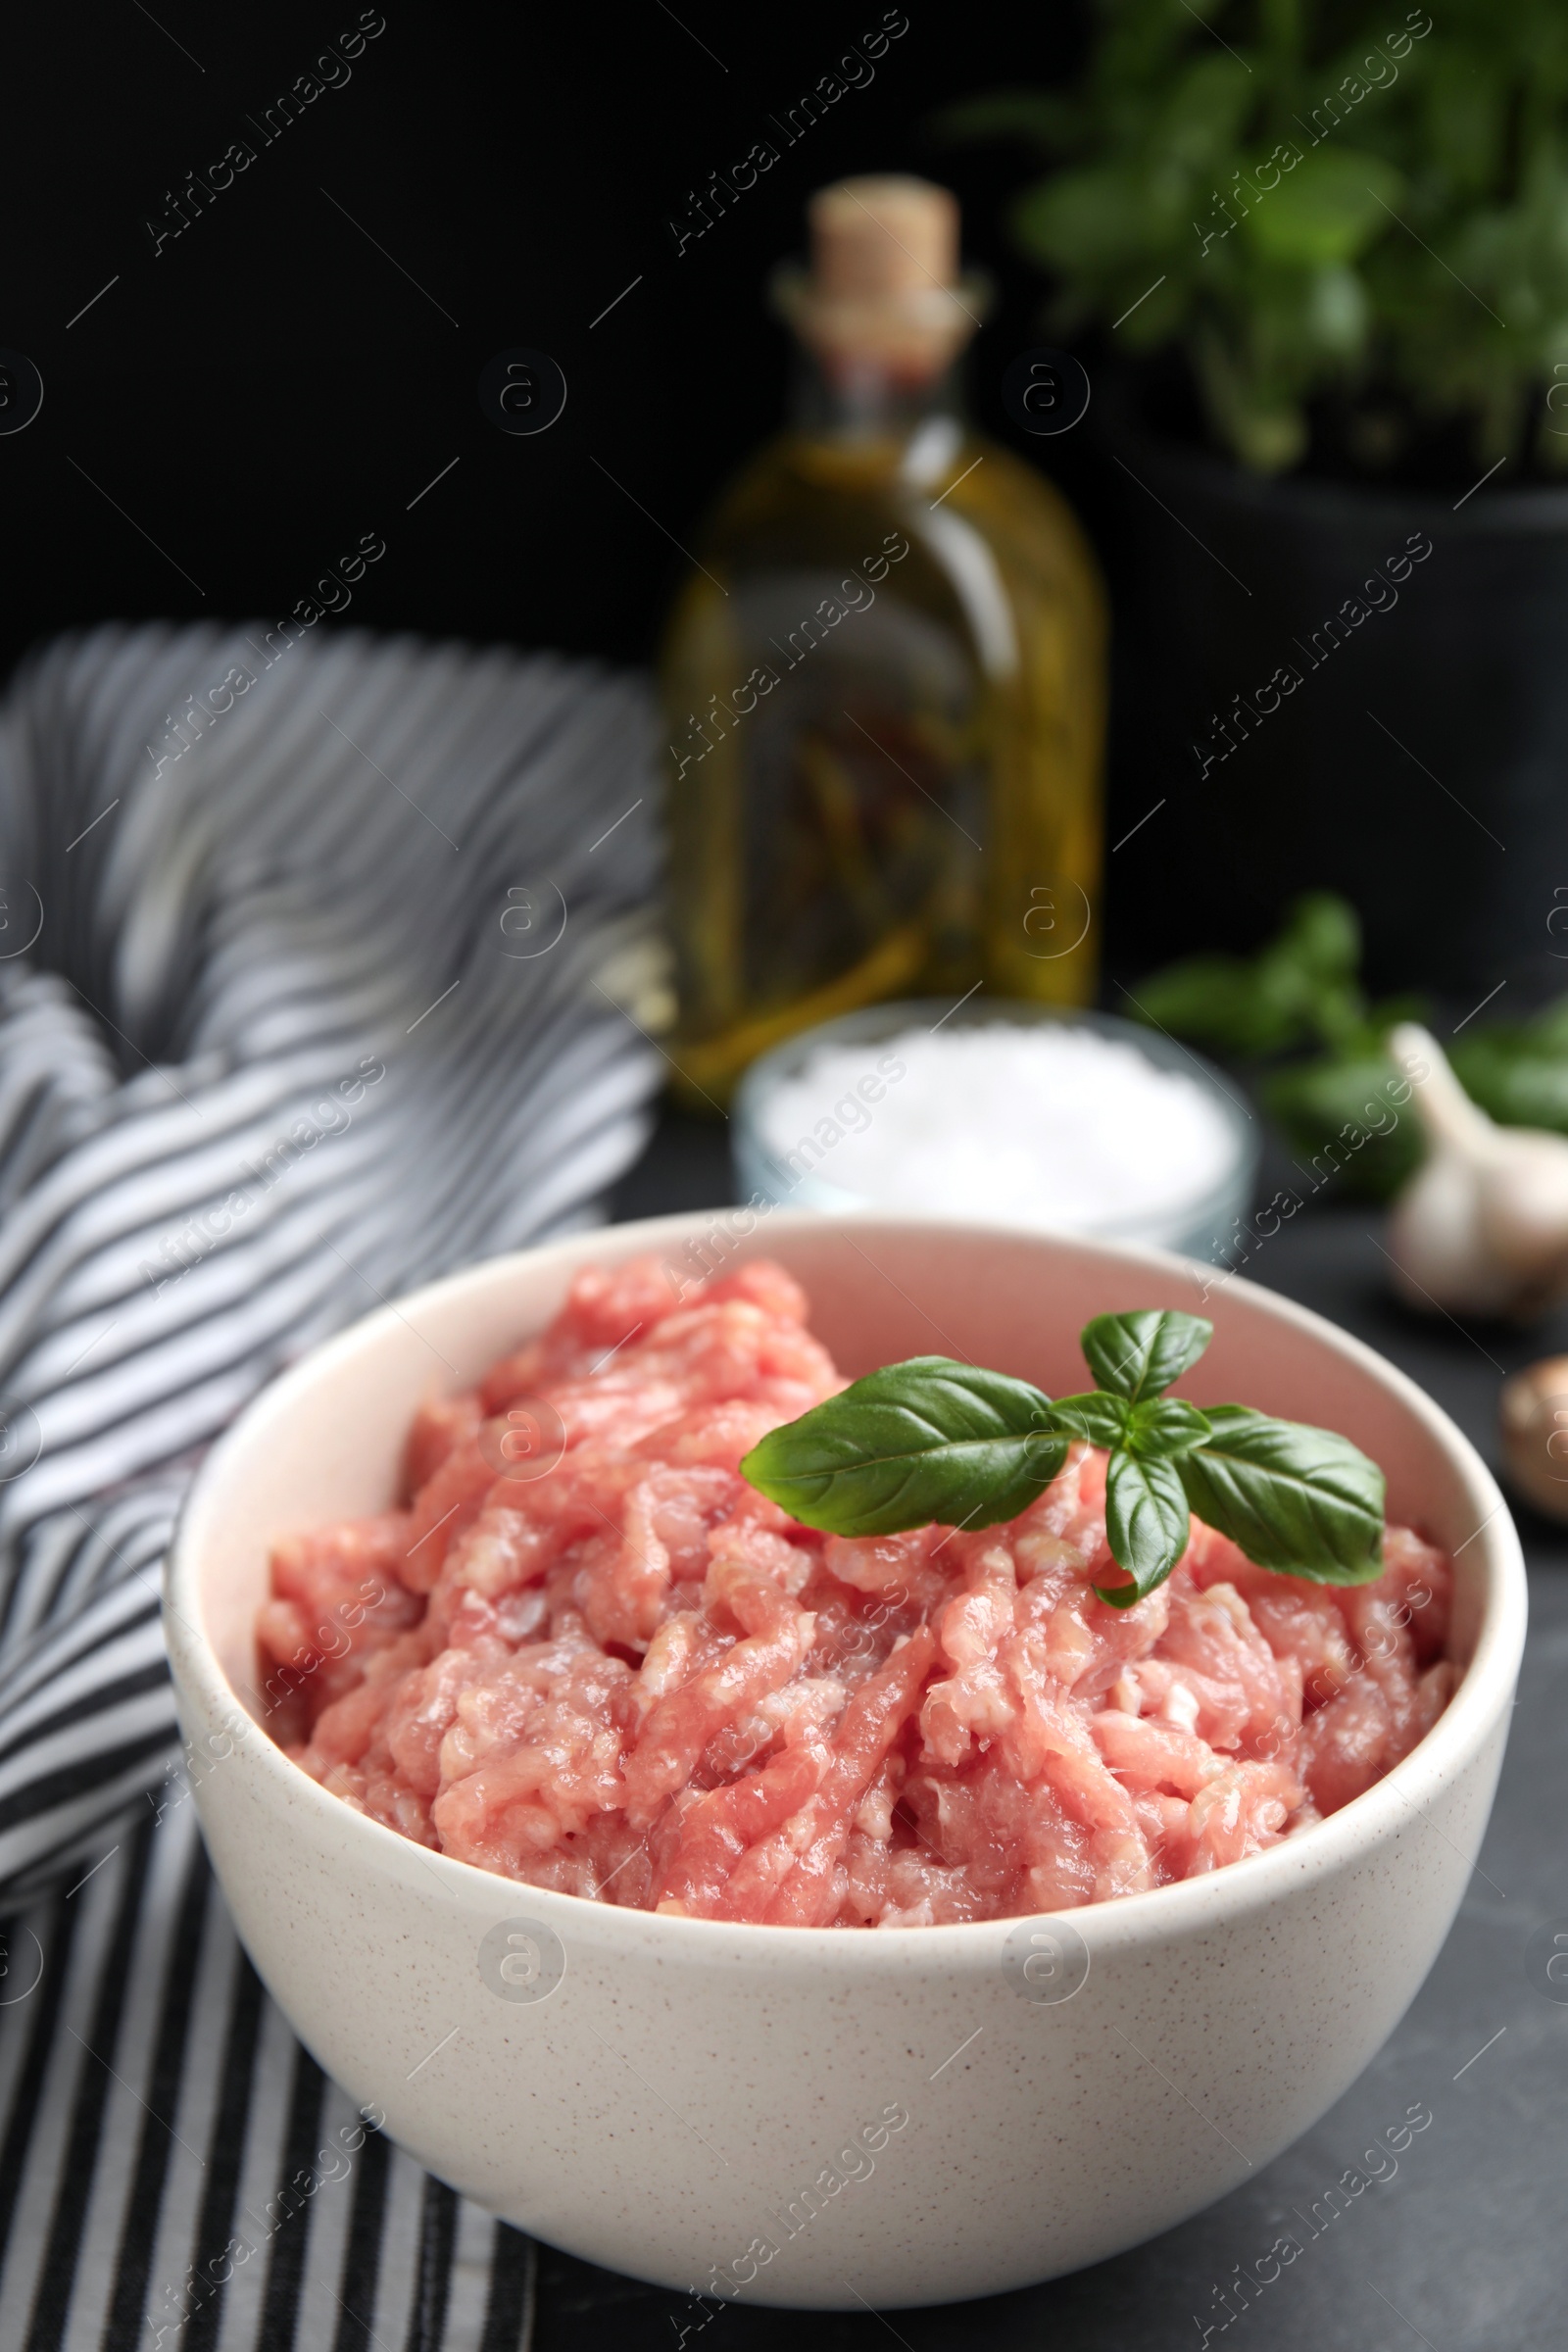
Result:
<point x="319" y="974"/>
<point x="304" y="999"/>
<point x="176" y="2174"/>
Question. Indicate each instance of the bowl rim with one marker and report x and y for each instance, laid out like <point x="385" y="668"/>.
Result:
<point x="1187" y="1907"/>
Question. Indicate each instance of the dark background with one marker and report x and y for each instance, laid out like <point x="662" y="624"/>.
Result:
<point x="272" y="385"/>
<point x="299" y="367"/>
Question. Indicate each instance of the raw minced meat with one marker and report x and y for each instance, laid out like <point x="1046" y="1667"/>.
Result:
<point x="587" y="1656"/>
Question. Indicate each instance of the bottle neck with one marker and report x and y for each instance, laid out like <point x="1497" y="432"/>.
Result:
<point x="859" y="399"/>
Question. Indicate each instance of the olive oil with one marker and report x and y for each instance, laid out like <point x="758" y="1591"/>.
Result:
<point x="884" y="681"/>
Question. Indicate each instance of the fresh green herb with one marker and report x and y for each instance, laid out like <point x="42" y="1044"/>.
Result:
<point x="1303" y="1501"/>
<point x="933" y="1440"/>
<point x="1518" y="1070"/>
<point x="1301" y="996"/>
<point x="1297" y="1014"/>
<point x="1146" y="1523"/>
<point x="1140" y="1355"/>
<point x="1342" y="1113"/>
<point x="925" y="1440"/>
<point x="1303" y="989"/>
<point x="1100" y="1418"/>
<point x="1329" y="210"/>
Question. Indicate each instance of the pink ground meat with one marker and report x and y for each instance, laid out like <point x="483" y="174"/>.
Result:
<point x="632" y="1678"/>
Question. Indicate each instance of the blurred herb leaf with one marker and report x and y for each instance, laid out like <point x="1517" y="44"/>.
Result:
<point x="1327" y="208"/>
<point x="1338" y="1112"/>
<point x="1302" y="989"/>
<point x="1518" y="1070"/>
<point x="1252" y="155"/>
<point x="1299" y="1005"/>
<point x="1298" y="1013"/>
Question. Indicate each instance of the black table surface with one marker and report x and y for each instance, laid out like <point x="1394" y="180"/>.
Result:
<point x="1461" y="2249"/>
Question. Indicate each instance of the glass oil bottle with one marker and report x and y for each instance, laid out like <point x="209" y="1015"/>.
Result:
<point x="884" y="682"/>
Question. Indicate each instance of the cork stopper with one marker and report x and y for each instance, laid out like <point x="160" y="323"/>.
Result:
<point x="883" y="297"/>
<point x="883" y="237"/>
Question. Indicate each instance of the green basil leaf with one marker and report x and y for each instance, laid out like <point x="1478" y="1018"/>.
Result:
<point x="1139" y="1355"/>
<point x="1164" y="1427"/>
<point x="1303" y="1501"/>
<point x="922" y="1440"/>
<point x="1096" y="1415"/>
<point x="1145" y="1524"/>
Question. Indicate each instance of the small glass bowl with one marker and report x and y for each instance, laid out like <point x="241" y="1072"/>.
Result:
<point x="1196" y="1225"/>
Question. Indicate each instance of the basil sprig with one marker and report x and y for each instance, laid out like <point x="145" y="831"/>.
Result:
<point x="932" y="1440"/>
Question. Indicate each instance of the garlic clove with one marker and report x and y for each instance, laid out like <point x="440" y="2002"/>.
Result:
<point x="1482" y="1224"/>
<point x="1521" y="1214"/>
<point x="1434" y="1241"/>
<point x="1442" y="1106"/>
<point x="1533" y="1416"/>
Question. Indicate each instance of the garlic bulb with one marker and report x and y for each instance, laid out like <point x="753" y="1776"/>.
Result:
<point x="1482" y="1224"/>
<point x="1534" y="1418"/>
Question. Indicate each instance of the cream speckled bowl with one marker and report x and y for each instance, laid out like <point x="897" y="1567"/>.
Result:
<point x="812" y="2116"/>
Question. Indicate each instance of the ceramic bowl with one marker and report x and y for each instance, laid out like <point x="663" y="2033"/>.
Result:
<point x="817" y="2116"/>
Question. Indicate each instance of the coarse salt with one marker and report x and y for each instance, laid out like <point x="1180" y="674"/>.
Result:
<point x="1044" y="1124"/>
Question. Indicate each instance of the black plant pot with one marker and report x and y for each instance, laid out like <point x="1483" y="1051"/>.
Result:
<point x="1319" y="705"/>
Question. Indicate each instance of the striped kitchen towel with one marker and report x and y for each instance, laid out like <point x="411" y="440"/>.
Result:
<point x="322" y="966"/>
<point x="176" y="2174"/>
